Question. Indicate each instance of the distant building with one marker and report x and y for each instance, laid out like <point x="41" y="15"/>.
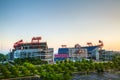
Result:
<point x="93" y="52"/>
<point x="63" y="53"/>
<point x="78" y="53"/>
<point x="10" y="55"/>
<point x="34" y="49"/>
<point x="107" y="55"/>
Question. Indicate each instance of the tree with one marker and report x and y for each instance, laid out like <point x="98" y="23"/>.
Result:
<point x="70" y="66"/>
<point x="18" y="61"/>
<point x="30" y="67"/>
<point x="91" y="61"/>
<point x="5" y="72"/>
<point x="24" y="71"/>
<point x="14" y="71"/>
<point x="57" y="68"/>
<point x="2" y="57"/>
<point x="39" y="69"/>
<point x="92" y="67"/>
<point x="116" y="61"/>
<point x="100" y="67"/>
<point x="65" y="61"/>
<point x="66" y="75"/>
<point x="61" y="61"/>
<point x="57" y="62"/>
<point x="86" y="67"/>
<point x="49" y="69"/>
<point x="79" y="68"/>
<point x="35" y="61"/>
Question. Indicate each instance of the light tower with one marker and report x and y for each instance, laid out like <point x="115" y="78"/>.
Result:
<point x="36" y="39"/>
<point x="64" y="46"/>
<point x="89" y="44"/>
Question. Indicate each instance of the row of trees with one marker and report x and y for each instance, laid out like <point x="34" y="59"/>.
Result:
<point x="45" y="72"/>
<point x="63" y="70"/>
<point x="35" y="61"/>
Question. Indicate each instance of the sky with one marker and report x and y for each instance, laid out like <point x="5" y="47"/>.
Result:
<point x="60" y="22"/>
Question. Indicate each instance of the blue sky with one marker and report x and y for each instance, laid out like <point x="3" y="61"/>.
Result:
<point x="60" y="22"/>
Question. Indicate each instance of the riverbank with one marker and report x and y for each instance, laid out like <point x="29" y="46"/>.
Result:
<point x="81" y="76"/>
<point x="97" y="76"/>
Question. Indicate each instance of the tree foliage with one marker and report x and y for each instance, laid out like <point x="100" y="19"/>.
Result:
<point x="5" y="72"/>
<point x="35" y="61"/>
<point x="2" y="57"/>
<point x="61" y="71"/>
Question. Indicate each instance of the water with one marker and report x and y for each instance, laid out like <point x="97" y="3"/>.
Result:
<point x="96" y="76"/>
<point x="91" y="76"/>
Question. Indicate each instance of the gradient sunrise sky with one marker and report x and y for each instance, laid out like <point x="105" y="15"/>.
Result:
<point x="60" y="22"/>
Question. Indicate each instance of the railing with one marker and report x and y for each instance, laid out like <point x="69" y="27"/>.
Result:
<point x="25" y="78"/>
